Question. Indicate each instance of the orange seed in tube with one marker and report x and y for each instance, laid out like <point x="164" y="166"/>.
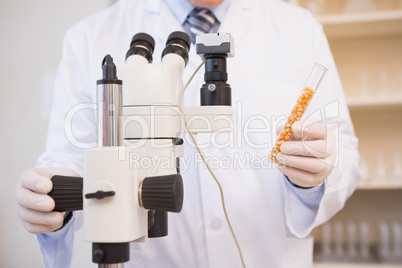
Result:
<point x="295" y="115"/>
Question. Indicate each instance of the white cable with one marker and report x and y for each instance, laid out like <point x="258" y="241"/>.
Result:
<point x="206" y="163"/>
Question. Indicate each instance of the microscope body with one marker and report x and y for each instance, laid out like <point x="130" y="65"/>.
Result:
<point x="142" y="130"/>
<point x="139" y="118"/>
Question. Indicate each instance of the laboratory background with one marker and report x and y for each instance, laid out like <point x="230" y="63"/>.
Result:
<point x="366" y="40"/>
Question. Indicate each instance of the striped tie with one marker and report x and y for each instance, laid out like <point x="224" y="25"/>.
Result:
<point x="200" y="20"/>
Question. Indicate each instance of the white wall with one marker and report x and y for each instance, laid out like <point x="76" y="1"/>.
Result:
<point x="31" y="34"/>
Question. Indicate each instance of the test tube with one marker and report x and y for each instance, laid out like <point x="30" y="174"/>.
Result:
<point x="309" y="90"/>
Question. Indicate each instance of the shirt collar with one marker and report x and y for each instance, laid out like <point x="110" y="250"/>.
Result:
<point x="181" y="8"/>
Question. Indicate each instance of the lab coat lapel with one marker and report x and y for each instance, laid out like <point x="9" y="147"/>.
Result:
<point x="165" y="22"/>
<point x="237" y="21"/>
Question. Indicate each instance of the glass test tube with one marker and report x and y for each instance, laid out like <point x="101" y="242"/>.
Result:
<point x="302" y="103"/>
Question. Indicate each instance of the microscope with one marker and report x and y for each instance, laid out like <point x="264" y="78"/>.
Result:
<point x="140" y="115"/>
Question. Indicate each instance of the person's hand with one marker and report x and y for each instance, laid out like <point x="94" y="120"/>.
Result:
<point x="309" y="157"/>
<point x="34" y="205"/>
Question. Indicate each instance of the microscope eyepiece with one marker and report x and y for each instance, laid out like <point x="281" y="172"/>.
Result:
<point x="142" y="44"/>
<point x="178" y="43"/>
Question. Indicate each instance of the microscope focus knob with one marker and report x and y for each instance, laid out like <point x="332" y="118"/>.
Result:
<point x="162" y="193"/>
<point x="67" y="193"/>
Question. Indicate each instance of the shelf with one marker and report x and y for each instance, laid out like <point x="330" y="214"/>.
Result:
<point x="355" y="265"/>
<point x="374" y="103"/>
<point x="345" y="26"/>
<point x="380" y="184"/>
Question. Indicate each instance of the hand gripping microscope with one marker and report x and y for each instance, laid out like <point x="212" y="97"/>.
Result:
<point x="122" y="202"/>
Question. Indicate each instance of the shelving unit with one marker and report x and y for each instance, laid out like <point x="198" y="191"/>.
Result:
<point x="373" y="24"/>
<point x="367" y="103"/>
<point x="380" y="185"/>
<point x="367" y="48"/>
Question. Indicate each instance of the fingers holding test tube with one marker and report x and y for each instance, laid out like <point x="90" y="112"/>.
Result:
<point x="301" y="149"/>
<point x="308" y="159"/>
<point x="299" y="108"/>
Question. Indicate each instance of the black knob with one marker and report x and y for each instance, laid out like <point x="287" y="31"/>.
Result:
<point x="67" y="193"/>
<point x="100" y="194"/>
<point x="110" y="253"/>
<point x="163" y="193"/>
<point x="98" y="255"/>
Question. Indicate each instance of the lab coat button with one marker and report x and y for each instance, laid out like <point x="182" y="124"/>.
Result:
<point x="216" y="224"/>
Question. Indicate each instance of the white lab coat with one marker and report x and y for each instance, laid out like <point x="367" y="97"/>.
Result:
<point x="276" y="45"/>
